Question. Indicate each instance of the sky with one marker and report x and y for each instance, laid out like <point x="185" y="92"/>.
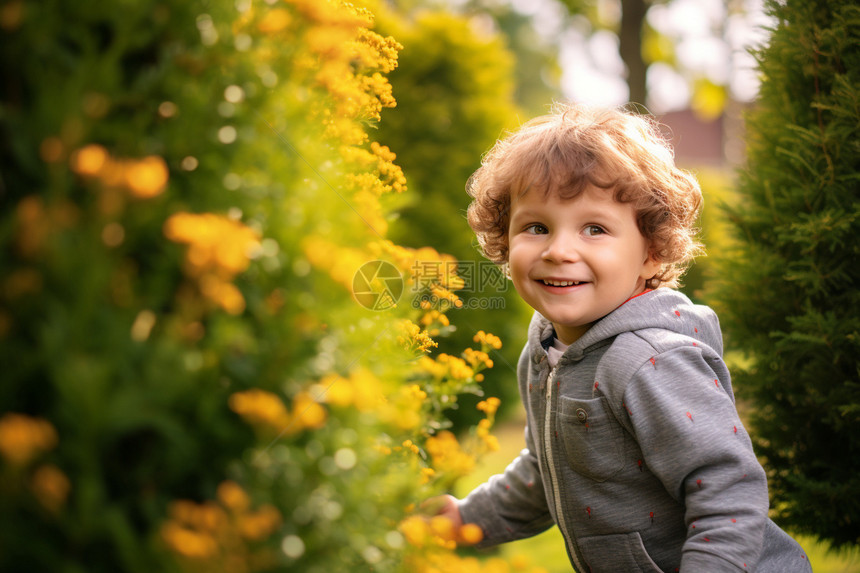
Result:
<point x="710" y="40"/>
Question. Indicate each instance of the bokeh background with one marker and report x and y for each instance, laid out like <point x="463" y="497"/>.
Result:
<point x="244" y="325"/>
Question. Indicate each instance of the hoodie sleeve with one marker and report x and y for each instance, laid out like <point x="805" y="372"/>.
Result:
<point x="684" y="418"/>
<point x="511" y="505"/>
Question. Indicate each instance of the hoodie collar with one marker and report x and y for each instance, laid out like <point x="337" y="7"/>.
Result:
<point x="663" y="308"/>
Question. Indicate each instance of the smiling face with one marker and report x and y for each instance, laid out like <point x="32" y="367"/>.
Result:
<point x="576" y="260"/>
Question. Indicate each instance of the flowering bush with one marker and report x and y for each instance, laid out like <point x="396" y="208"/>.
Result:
<point x="189" y="384"/>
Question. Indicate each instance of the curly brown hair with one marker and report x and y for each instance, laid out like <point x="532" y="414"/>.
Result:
<point x="576" y="147"/>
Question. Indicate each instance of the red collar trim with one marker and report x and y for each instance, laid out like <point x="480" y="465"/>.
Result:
<point x="646" y="291"/>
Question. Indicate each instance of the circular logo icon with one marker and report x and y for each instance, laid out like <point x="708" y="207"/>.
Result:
<point x="377" y="285"/>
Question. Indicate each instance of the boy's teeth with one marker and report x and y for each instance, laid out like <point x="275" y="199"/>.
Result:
<point x="560" y="283"/>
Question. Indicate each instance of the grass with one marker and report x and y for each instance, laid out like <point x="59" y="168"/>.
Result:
<point x="547" y="549"/>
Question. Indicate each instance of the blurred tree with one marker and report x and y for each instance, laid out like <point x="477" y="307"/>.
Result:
<point x="455" y="96"/>
<point x="718" y="189"/>
<point x="536" y="69"/>
<point x="790" y="291"/>
<point x="630" y="29"/>
<point x="454" y="91"/>
<point x="630" y="47"/>
<point x="641" y="45"/>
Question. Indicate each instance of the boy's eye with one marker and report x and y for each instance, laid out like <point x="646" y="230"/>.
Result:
<point x="537" y="229"/>
<point x="594" y="230"/>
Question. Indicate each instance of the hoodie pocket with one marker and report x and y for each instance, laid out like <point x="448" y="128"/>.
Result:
<point x="593" y="441"/>
<point x="615" y="553"/>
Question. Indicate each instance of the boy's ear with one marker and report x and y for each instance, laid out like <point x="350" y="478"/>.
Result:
<point x="651" y="266"/>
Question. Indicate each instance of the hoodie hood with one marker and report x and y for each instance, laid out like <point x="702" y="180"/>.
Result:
<point x="663" y="308"/>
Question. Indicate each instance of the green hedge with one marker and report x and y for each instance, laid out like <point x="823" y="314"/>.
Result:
<point x="188" y="191"/>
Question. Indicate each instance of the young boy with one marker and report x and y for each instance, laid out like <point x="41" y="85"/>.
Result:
<point x="633" y="444"/>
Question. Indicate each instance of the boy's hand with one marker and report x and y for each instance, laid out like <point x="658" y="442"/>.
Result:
<point x="445" y="506"/>
<point x="444" y="519"/>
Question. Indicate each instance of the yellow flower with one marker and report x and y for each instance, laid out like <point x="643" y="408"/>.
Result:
<point x="445" y="365"/>
<point x="457" y="367"/>
<point x="51" y="487"/>
<point x="415" y="530"/>
<point x="36" y="221"/>
<point x="379" y="51"/>
<point x="143" y="178"/>
<point x="22" y="282"/>
<point x="52" y="149"/>
<point x="414" y="338"/>
<point x="274" y="21"/>
<point x="427" y="475"/>
<point x="216" y="243"/>
<point x="260" y="408"/>
<point x="33" y="226"/>
<point x="384" y="450"/>
<point x="404" y="409"/>
<point x="308" y="412"/>
<point x="410" y="331"/>
<point x="265" y="410"/>
<point x="488" y="340"/>
<point x="491" y="442"/>
<point x="435" y="369"/>
<point x="207" y="535"/>
<point x="442" y="526"/>
<point x="446" y="296"/>
<point x="260" y="524"/>
<point x="23" y="437"/>
<point x="417" y="393"/>
<point x="233" y="497"/>
<point x="218" y="249"/>
<point x="471" y="533"/>
<point x="423" y="268"/>
<point x="224" y="293"/>
<point x="341" y="263"/>
<point x="434" y="316"/>
<point x="146" y="177"/>
<point x="490" y="405"/>
<point x="338" y="390"/>
<point x="369" y="391"/>
<point x="496" y="565"/>
<point x="187" y="542"/>
<point x="448" y="457"/>
<point x="210" y="516"/>
<point x="477" y="358"/>
<point x="377" y="171"/>
<point x="89" y="160"/>
<point x="519" y="562"/>
<point x="362" y="389"/>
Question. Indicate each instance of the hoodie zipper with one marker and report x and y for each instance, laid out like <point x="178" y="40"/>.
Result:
<point x="562" y="524"/>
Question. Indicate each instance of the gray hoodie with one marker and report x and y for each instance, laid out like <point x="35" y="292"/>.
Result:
<point x="635" y="450"/>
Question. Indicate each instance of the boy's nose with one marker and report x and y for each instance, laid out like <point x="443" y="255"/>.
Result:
<point x="561" y="249"/>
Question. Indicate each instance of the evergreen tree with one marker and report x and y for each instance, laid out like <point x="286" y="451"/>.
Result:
<point x="789" y="291"/>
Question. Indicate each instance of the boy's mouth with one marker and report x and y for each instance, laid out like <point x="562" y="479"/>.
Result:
<point x="559" y="283"/>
